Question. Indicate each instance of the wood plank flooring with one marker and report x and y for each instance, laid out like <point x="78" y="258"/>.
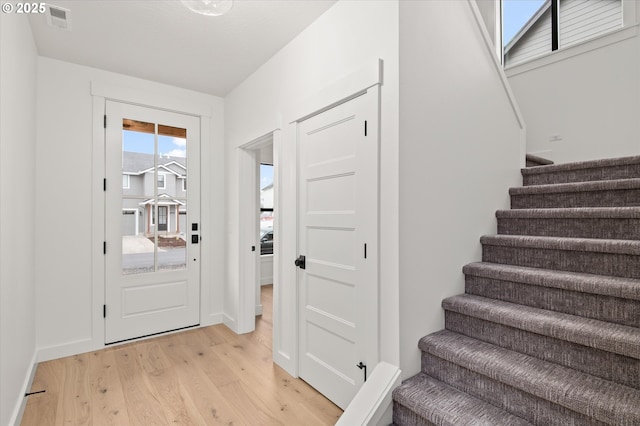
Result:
<point x="205" y="376"/>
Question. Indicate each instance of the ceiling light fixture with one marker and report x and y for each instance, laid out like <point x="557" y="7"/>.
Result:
<point x="208" y="7"/>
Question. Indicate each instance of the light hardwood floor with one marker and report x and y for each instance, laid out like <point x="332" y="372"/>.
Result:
<point x="205" y="376"/>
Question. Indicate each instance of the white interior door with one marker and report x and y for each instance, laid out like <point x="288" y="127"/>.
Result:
<point x="338" y="235"/>
<point x="152" y="268"/>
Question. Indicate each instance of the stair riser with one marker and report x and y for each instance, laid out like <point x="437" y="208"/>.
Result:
<point x="615" y="229"/>
<point x="606" y="365"/>
<point x="404" y="416"/>
<point x="603" y="308"/>
<point x="529" y="407"/>
<point x="606" y="198"/>
<point x="630" y="171"/>
<point x="612" y="264"/>
<point x="533" y="164"/>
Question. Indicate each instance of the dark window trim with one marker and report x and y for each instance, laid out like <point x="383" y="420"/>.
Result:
<point x="554" y="24"/>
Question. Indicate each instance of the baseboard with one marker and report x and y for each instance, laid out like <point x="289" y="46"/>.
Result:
<point x="212" y="319"/>
<point x="89" y="345"/>
<point x="285" y="361"/>
<point x="68" y="349"/>
<point x="230" y="322"/>
<point x="21" y="404"/>
<point x="258" y="310"/>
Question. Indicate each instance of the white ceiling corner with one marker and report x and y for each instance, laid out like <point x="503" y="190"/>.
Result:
<point x="161" y="40"/>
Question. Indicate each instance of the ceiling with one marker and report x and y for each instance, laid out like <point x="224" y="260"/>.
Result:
<point x="163" y="41"/>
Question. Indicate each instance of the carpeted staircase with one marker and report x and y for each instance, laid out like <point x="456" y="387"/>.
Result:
<point x="548" y="330"/>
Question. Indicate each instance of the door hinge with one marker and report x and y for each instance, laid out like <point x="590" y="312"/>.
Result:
<point x="365" y="127"/>
<point x="104" y="247"/>
<point x="104" y="184"/>
<point x="105" y="121"/>
<point x="365" y="250"/>
<point x="104" y="311"/>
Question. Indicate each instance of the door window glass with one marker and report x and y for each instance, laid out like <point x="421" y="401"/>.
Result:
<point x="154" y="160"/>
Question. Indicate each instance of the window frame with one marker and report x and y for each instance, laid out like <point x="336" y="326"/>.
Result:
<point x="164" y="180"/>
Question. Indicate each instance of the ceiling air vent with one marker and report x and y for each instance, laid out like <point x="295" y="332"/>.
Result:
<point x="58" y="17"/>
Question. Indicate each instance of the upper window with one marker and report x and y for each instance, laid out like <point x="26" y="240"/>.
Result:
<point x="532" y="28"/>
<point x="162" y="181"/>
<point x="184" y="184"/>
<point x="126" y="181"/>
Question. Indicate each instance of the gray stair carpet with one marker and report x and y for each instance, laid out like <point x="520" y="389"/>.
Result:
<point x="621" y="223"/>
<point x="534" y="161"/>
<point x="605" y="193"/>
<point x="548" y="330"/>
<point x="585" y="171"/>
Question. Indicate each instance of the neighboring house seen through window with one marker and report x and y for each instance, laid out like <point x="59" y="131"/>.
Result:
<point x="533" y="28"/>
<point x="126" y="182"/>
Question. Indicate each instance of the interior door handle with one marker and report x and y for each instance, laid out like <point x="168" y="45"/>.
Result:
<point x="301" y="262"/>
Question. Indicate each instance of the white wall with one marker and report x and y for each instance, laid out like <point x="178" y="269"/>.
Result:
<point x="266" y="270"/>
<point x="587" y="95"/>
<point x="69" y="318"/>
<point x="348" y="35"/>
<point x="18" y="64"/>
<point x="460" y="151"/>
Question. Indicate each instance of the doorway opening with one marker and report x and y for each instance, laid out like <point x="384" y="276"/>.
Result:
<point x="258" y="230"/>
<point x="266" y="217"/>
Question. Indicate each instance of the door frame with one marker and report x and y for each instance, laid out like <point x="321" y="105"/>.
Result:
<point x="163" y="299"/>
<point x="249" y="202"/>
<point x="285" y="296"/>
<point x="101" y="91"/>
<point x="365" y="105"/>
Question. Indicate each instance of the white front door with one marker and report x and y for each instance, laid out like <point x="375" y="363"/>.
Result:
<point x="152" y="276"/>
<point x="338" y="235"/>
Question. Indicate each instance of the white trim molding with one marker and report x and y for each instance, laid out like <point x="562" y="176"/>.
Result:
<point x="339" y="92"/>
<point x="497" y="64"/>
<point x="285" y="294"/>
<point x="373" y="404"/>
<point x="18" y="411"/>
<point x="156" y="100"/>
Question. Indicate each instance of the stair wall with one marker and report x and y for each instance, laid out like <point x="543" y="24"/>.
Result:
<point x="548" y="329"/>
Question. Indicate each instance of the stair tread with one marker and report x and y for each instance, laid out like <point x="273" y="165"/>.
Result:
<point x="606" y="336"/>
<point x="581" y="165"/>
<point x="441" y="404"/>
<point x="630" y="247"/>
<point x="600" y="185"/>
<point x="572" y="213"/>
<point x="626" y="288"/>
<point x="603" y="400"/>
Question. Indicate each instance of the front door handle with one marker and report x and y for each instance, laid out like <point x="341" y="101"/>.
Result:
<point x="301" y="262"/>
